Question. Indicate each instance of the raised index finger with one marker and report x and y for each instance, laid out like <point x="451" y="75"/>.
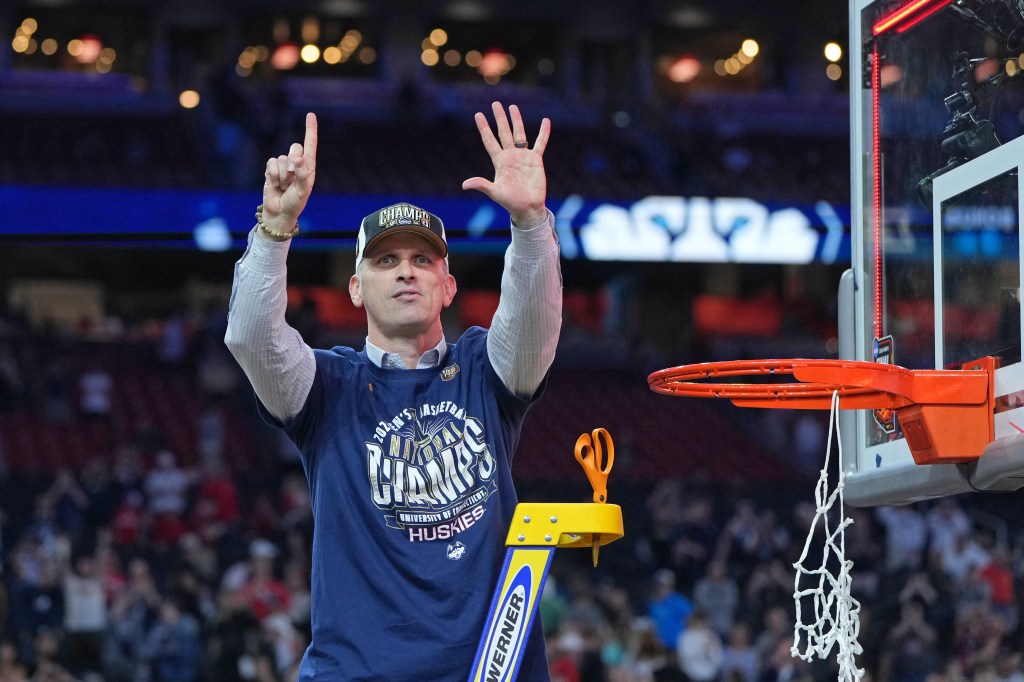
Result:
<point x="309" y="144"/>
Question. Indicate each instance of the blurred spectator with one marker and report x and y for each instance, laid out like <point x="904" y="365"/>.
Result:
<point x="717" y="596"/>
<point x="553" y="605"/>
<point x="85" y="615"/>
<point x="665" y="515"/>
<point x="108" y="567"/>
<point x="13" y="389"/>
<point x="905" y="536"/>
<point x="11" y="668"/>
<point x="173" y="341"/>
<point x="239" y="651"/>
<point x="191" y="595"/>
<point x="699" y="649"/>
<point x="668" y="608"/>
<point x="286" y="641"/>
<point x="167" y="487"/>
<point x="998" y="574"/>
<point x="70" y="504"/>
<point x="95" y="397"/>
<point x="130" y="524"/>
<point x="211" y="434"/>
<point x="217" y="370"/>
<point x="261" y="591"/>
<point x="215" y="507"/>
<point x="56" y="391"/>
<point x="1008" y="666"/>
<point x="769" y="587"/>
<point x="172" y="645"/>
<point x="695" y="539"/>
<point x="909" y="655"/>
<point x="946" y="522"/>
<point x="46" y="663"/>
<point x="131" y="615"/>
<point x="296" y="579"/>
<point x="128" y="472"/>
<point x="645" y="654"/>
<point x="37" y="605"/>
<point x="962" y="557"/>
<point x="979" y="639"/>
<point x="101" y="495"/>
<point x="565" y="653"/>
<point x="740" y="661"/>
<point x="776" y="632"/>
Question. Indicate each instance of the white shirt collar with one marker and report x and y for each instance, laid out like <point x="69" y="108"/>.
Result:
<point x="386" y="360"/>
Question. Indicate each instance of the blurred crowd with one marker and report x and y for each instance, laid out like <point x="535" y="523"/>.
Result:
<point x="149" y="562"/>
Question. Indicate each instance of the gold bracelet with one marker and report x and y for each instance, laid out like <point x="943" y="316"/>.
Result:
<point x="280" y="235"/>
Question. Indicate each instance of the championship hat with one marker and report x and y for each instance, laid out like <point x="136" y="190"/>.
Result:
<point x="400" y="217"/>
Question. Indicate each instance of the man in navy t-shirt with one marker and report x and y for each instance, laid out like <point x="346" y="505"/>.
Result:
<point x="407" y="444"/>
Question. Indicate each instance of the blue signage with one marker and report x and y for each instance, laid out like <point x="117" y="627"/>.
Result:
<point x="655" y="228"/>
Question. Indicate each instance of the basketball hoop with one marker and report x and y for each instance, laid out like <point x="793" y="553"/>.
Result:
<point x="946" y="415"/>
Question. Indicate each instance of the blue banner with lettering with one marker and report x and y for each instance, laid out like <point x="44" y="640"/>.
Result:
<point x="655" y="228"/>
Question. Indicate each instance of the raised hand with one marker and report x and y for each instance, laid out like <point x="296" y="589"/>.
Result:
<point x="519" y="184"/>
<point x="289" y="182"/>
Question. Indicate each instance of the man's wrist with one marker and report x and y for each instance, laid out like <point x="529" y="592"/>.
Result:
<point x="275" y="227"/>
<point x="531" y="220"/>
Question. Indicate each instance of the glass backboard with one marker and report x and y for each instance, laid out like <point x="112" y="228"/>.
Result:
<point x="937" y="112"/>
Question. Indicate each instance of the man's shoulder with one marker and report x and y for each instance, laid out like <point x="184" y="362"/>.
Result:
<point x="472" y="337"/>
<point x="472" y="341"/>
<point x="339" y="361"/>
<point x="339" y="354"/>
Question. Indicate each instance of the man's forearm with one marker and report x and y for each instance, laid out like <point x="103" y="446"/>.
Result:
<point x="524" y="333"/>
<point x="273" y="356"/>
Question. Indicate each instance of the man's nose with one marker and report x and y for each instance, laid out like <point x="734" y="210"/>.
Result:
<point x="405" y="269"/>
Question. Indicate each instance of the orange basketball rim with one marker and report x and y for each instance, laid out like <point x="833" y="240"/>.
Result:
<point x="946" y="415"/>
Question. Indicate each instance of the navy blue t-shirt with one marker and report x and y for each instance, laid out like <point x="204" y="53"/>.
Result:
<point x="411" y="488"/>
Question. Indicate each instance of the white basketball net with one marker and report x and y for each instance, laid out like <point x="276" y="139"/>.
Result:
<point x="836" y="612"/>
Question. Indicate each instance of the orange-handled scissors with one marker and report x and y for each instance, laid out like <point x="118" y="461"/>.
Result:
<point x="590" y="454"/>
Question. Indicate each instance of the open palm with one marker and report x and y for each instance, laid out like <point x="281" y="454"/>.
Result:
<point x="520" y="184"/>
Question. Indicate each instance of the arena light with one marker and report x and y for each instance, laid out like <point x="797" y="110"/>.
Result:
<point x="310" y="30"/>
<point x="684" y="69"/>
<point x="285" y="56"/>
<point x="310" y="53"/>
<point x="332" y="55"/>
<point x="908" y="15"/>
<point x="494" y="64"/>
<point x="90" y="49"/>
<point x="438" y="37"/>
<point x="367" y="55"/>
<point x="188" y="99"/>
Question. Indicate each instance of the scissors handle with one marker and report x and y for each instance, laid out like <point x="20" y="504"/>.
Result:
<point x="590" y="454"/>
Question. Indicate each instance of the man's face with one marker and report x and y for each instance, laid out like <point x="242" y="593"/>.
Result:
<point x="403" y="284"/>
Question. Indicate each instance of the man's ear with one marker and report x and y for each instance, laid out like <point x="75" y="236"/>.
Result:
<point x="449" y="290"/>
<point x="355" y="292"/>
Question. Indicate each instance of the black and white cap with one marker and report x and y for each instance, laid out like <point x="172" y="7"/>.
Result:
<point x="401" y="217"/>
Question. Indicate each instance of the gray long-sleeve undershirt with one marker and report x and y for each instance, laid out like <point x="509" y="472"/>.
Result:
<point x="280" y="365"/>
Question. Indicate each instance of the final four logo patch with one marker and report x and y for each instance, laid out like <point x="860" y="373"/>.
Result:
<point x="449" y="372"/>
